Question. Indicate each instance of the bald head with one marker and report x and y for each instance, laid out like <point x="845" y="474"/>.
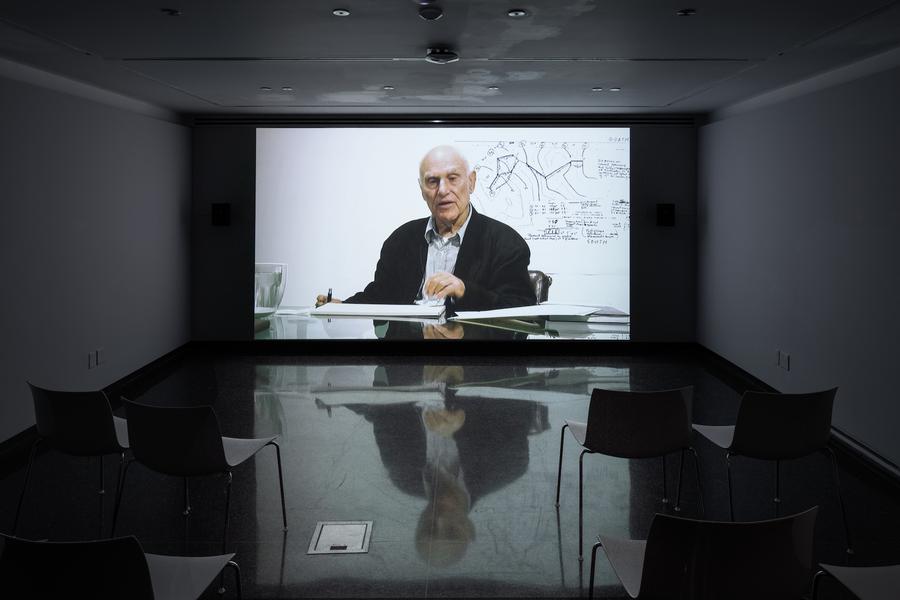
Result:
<point x="446" y="183"/>
<point x="442" y="154"/>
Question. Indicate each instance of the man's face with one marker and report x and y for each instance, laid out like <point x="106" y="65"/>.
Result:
<point x="446" y="186"/>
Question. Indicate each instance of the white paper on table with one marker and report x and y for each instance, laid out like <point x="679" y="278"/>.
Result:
<point x="558" y="312"/>
<point x="375" y="311"/>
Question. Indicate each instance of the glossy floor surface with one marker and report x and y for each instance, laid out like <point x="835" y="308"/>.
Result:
<point x="454" y="461"/>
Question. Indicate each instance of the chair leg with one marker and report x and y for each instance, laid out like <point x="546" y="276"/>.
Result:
<point x="237" y="579"/>
<point x="665" y="498"/>
<point x="280" y="484"/>
<point x="837" y="487"/>
<point x="581" y="503"/>
<point x="593" y="565"/>
<point x="817" y="578"/>
<point x="121" y="467"/>
<point x="562" y="438"/>
<point x="118" y="483"/>
<point x="699" y="481"/>
<point x="777" y="499"/>
<point x="730" y="493"/>
<point x="225" y="532"/>
<point x="227" y="507"/>
<point x="678" y="490"/>
<point x="187" y="498"/>
<point x="31" y="456"/>
<point x="101" y="493"/>
<point x="119" y="494"/>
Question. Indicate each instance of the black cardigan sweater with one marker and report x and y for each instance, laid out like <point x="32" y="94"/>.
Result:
<point x="492" y="263"/>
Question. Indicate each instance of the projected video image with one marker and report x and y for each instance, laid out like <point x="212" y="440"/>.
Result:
<point x="442" y="233"/>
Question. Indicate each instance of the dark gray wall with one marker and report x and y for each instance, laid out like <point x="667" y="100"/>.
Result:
<point x="663" y="259"/>
<point x="224" y="162"/>
<point x="94" y="243"/>
<point x="799" y="210"/>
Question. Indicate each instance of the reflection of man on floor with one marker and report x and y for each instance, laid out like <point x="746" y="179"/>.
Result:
<point x="451" y="452"/>
<point x="456" y="256"/>
<point x="444" y="529"/>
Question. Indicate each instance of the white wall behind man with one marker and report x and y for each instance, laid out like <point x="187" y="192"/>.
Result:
<point x="94" y="243"/>
<point x="798" y="217"/>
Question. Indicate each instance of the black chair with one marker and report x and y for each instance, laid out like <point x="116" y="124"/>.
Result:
<point x="110" y="569"/>
<point x="866" y="583"/>
<point x="779" y="427"/>
<point x="540" y="283"/>
<point x="709" y="560"/>
<point x="632" y="425"/>
<point x="187" y="442"/>
<point x="77" y="424"/>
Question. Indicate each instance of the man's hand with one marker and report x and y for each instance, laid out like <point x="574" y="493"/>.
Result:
<point x="444" y="422"/>
<point x="444" y="285"/>
<point x="323" y="299"/>
<point x="447" y="331"/>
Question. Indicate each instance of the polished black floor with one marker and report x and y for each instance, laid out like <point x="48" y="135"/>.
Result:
<point x="454" y="460"/>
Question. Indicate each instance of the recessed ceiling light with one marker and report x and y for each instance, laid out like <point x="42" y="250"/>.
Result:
<point x="431" y="13"/>
<point x="387" y="88"/>
<point x="493" y="87"/>
<point x="171" y="12"/>
<point x="287" y="88"/>
<point x="686" y="12"/>
<point x="517" y="13"/>
<point x="341" y="12"/>
<point x="265" y="88"/>
<point x="441" y="56"/>
<point x="615" y="89"/>
<point x="596" y="89"/>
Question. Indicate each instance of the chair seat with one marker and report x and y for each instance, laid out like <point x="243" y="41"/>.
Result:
<point x="237" y="450"/>
<point x="627" y="560"/>
<point x="720" y="435"/>
<point x="121" y="431"/>
<point x="578" y="429"/>
<point x="868" y="583"/>
<point x="183" y="577"/>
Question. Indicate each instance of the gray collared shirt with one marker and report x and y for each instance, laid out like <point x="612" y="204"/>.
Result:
<point x="442" y="252"/>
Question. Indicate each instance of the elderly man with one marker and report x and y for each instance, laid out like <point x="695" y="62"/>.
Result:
<point x="456" y="256"/>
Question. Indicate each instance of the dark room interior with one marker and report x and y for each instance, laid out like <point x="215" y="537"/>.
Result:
<point x="740" y="249"/>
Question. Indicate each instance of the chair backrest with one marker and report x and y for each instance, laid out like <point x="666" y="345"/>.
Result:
<point x="182" y="441"/>
<point x="711" y="560"/>
<point x="540" y="283"/>
<point x="639" y="424"/>
<point x="79" y="423"/>
<point x="103" y="569"/>
<point x="783" y="426"/>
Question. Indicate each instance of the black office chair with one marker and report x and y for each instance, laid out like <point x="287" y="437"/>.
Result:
<point x="778" y="427"/>
<point x="709" y="560"/>
<point x="540" y="283"/>
<point x="866" y="583"/>
<point x="632" y="425"/>
<point x="77" y="424"/>
<point x="110" y="569"/>
<point x="187" y="442"/>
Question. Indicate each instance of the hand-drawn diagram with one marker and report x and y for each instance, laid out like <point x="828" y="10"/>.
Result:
<point x="556" y="192"/>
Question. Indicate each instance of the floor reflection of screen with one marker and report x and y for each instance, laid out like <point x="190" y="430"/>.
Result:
<point x="450" y="462"/>
<point x="327" y="199"/>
